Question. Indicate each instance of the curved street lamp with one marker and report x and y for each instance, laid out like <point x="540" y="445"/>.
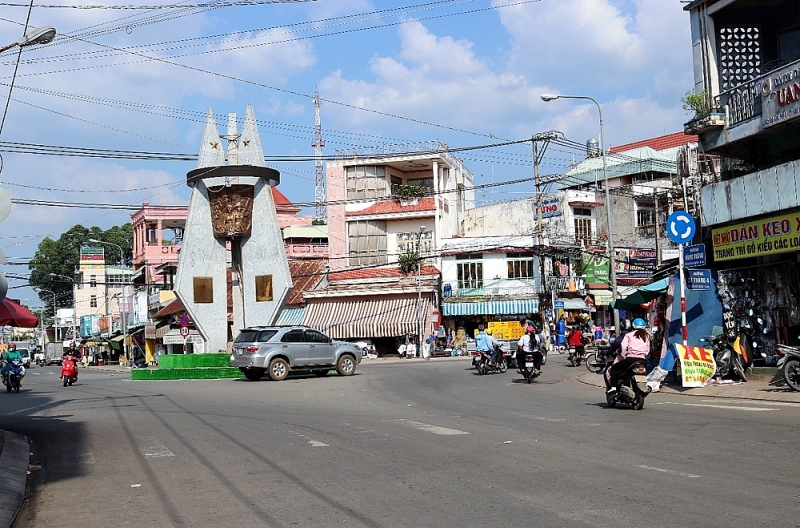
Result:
<point x="42" y="35"/>
<point x="121" y="252"/>
<point x="552" y="97"/>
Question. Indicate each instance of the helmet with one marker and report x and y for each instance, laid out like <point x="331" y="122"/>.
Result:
<point x="481" y="327"/>
<point x="12" y="346"/>
<point x="530" y="329"/>
<point x="639" y="323"/>
<point x="488" y="331"/>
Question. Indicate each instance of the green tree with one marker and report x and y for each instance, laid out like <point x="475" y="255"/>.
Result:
<point x="61" y="257"/>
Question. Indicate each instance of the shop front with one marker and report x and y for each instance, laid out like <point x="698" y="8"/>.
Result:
<point x="758" y="271"/>
<point x="462" y="318"/>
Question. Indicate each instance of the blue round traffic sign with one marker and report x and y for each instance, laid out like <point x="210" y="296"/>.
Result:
<point x="681" y="227"/>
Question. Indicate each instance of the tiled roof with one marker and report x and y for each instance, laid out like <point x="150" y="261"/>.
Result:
<point x="306" y="274"/>
<point x="172" y="307"/>
<point x="393" y="206"/>
<point x="378" y="273"/>
<point x="279" y="198"/>
<point x="658" y="143"/>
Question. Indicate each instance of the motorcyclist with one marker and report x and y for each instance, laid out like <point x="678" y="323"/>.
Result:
<point x="10" y="355"/>
<point x="529" y="344"/>
<point x="625" y="328"/>
<point x="635" y="346"/>
<point x="485" y="343"/>
<point x="575" y="339"/>
<point x="71" y="351"/>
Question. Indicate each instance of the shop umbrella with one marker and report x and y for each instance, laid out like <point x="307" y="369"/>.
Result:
<point x="642" y="295"/>
<point x="13" y="314"/>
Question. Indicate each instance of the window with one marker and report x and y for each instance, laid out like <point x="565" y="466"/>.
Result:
<point x="470" y="271"/>
<point x="312" y="336"/>
<point x="583" y="225"/>
<point x="365" y="182"/>
<point x="520" y="266"/>
<point x="367" y="241"/>
<point x="425" y="183"/>
<point x="645" y="215"/>
<point x="293" y="336"/>
<point x="407" y="242"/>
<point x="93" y="281"/>
<point x="93" y="301"/>
<point x="266" y="335"/>
<point x="116" y="279"/>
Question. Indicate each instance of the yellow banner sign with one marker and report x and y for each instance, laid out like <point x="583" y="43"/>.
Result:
<point x="779" y="234"/>
<point x="697" y="365"/>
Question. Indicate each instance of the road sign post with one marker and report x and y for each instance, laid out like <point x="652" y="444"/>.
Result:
<point x="680" y="229"/>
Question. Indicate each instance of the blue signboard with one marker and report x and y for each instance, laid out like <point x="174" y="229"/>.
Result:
<point x="681" y="227"/>
<point x="698" y="279"/>
<point x="694" y="255"/>
<point x="559" y="305"/>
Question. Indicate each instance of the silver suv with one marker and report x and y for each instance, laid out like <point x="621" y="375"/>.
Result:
<point x="278" y="349"/>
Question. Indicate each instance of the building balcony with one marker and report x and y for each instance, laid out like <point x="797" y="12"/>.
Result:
<point x="567" y="283"/>
<point x="496" y="288"/>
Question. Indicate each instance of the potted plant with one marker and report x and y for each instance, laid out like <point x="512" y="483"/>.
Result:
<point x="409" y="194"/>
<point x="706" y="114"/>
<point x="409" y="261"/>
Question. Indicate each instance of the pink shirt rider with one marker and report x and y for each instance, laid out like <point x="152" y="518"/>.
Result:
<point x="632" y="346"/>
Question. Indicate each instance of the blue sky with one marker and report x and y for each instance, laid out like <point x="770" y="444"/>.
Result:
<point x="141" y="80"/>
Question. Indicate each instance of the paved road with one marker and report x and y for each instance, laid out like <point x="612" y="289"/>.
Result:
<point x="417" y="443"/>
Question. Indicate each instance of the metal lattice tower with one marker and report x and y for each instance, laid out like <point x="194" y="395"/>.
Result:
<point x="319" y="187"/>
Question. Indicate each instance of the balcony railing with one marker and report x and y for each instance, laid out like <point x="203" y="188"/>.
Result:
<point x="306" y="250"/>
<point x="565" y="283"/>
<point x="499" y="287"/>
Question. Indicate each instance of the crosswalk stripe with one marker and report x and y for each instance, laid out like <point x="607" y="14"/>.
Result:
<point x="150" y="446"/>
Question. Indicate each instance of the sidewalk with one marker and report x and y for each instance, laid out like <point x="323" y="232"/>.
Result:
<point x="14" y="458"/>
<point x="758" y="389"/>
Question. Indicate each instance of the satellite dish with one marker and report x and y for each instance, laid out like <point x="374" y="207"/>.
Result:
<point x="5" y="204"/>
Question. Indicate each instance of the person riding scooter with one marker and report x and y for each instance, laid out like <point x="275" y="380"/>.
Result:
<point x="635" y="347"/>
<point x="529" y="344"/>
<point x="485" y="343"/>
<point x="11" y="355"/>
<point x="575" y="340"/>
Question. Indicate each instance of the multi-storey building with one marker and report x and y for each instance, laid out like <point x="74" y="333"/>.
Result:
<point x="384" y="211"/>
<point x="747" y="102"/>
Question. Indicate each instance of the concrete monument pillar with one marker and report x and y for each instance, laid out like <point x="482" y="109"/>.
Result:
<point x="232" y="225"/>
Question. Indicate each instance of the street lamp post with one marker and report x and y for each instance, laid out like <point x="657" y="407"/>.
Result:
<point x="611" y="263"/>
<point x="419" y="289"/>
<point x="74" y="305"/>
<point x="121" y="252"/>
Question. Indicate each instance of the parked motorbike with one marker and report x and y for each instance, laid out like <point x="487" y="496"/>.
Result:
<point x="485" y="358"/>
<point x="13" y="378"/>
<point x="731" y="358"/>
<point x="789" y="364"/>
<point x="596" y="361"/>
<point x="529" y="373"/>
<point x="632" y="386"/>
<point x="69" y="370"/>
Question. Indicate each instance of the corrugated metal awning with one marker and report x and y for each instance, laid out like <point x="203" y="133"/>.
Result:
<point x="291" y="316"/>
<point x="365" y="318"/>
<point x="574" y="304"/>
<point x="508" y="307"/>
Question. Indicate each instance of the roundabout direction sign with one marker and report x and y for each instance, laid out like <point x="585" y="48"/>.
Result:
<point x="681" y="227"/>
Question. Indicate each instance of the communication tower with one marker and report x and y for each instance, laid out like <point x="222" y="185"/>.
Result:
<point x="320" y="215"/>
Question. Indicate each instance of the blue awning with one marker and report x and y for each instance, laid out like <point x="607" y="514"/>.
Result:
<point x="291" y="316"/>
<point x="658" y="286"/>
<point x="512" y="307"/>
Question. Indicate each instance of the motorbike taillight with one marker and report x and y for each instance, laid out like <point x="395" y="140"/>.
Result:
<point x="639" y="369"/>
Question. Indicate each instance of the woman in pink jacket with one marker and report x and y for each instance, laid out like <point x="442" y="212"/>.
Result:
<point x="635" y="347"/>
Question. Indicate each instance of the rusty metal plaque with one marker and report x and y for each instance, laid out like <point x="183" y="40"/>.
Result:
<point x="231" y="210"/>
<point x="263" y="288"/>
<point x="203" y="289"/>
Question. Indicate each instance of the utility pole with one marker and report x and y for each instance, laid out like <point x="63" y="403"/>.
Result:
<point x="538" y="154"/>
<point x="658" y="242"/>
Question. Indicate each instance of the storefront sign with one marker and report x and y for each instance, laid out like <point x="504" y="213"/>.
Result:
<point x="697" y="365"/>
<point x="778" y="234"/>
<point x="172" y="339"/>
<point x="550" y="208"/>
<point x="669" y="254"/>
<point x="634" y="262"/>
<point x="780" y="95"/>
<point x="150" y="331"/>
<point x="602" y="298"/>
<point x="595" y="269"/>
<point x="698" y="279"/>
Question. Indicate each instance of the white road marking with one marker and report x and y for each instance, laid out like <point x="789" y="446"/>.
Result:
<point x="150" y="446"/>
<point x="731" y="407"/>
<point x="314" y="443"/>
<point x="435" y="429"/>
<point x="759" y="402"/>
<point x="660" y="470"/>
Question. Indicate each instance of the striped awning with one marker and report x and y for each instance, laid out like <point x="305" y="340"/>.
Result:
<point x="508" y="307"/>
<point x="348" y="319"/>
<point x="291" y="316"/>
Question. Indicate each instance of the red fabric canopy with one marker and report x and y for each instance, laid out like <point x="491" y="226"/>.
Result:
<point x="13" y="314"/>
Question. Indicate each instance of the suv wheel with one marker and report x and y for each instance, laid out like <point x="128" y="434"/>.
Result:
<point x="253" y="374"/>
<point x="278" y="369"/>
<point x="346" y="366"/>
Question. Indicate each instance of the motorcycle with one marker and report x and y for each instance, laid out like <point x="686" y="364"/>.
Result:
<point x="789" y="363"/>
<point x="13" y="378"/>
<point x="596" y="361"/>
<point x="39" y="359"/>
<point x="731" y="358"/>
<point x="632" y="386"/>
<point x="69" y="370"/>
<point x="485" y="358"/>
<point x="576" y="355"/>
<point x="529" y="373"/>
